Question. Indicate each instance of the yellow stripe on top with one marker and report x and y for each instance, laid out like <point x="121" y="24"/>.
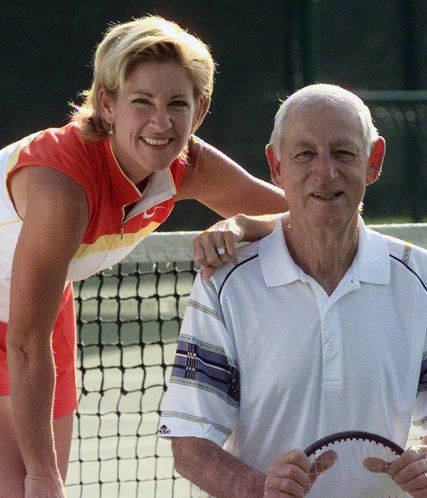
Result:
<point x="10" y="222"/>
<point x="107" y="243"/>
<point x="171" y="181"/>
<point x="122" y="171"/>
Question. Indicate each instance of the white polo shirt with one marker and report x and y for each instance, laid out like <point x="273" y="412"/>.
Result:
<point x="268" y="362"/>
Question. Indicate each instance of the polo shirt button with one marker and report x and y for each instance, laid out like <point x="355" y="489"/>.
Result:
<point x="331" y="347"/>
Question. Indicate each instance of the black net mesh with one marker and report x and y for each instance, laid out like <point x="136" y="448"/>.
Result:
<point x="128" y="321"/>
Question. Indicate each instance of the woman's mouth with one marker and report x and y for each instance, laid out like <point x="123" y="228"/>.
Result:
<point x="157" y="142"/>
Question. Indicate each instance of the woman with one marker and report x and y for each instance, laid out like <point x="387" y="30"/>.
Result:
<point x="76" y="200"/>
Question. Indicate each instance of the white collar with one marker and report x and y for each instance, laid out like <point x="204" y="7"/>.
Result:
<point x="160" y="187"/>
<point x="371" y="263"/>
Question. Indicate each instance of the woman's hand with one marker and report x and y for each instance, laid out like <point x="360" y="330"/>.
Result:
<point x="216" y="246"/>
<point x="37" y="487"/>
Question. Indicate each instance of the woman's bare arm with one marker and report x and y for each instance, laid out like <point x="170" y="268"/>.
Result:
<point x="219" y="183"/>
<point x="55" y="219"/>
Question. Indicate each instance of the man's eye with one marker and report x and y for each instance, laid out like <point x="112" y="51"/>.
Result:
<point x="179" y="103"/>
<point x="306" y="154"/>
<point x="344" y="155"/>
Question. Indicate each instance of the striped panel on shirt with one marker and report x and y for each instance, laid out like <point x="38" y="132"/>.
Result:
<point x="204" y="309"/>
<point x="205" y="366"/>
<point x="200" y="420"/>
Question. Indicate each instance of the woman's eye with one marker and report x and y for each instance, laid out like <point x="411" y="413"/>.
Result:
<point x="140" y="101"/>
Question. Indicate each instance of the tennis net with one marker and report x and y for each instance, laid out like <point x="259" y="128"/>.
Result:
<point x="128" y="321"/>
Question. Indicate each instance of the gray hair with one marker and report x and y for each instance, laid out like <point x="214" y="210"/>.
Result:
<point x="333" y="93"/>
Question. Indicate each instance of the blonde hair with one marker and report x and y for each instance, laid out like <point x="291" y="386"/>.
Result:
<point x="333" y="93"/>
<point x="124" y="46"/>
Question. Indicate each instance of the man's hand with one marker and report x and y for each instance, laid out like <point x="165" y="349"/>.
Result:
<point x="409" y="471"/>
<point x="37" y="487"/>
<point x="293" y="473"/>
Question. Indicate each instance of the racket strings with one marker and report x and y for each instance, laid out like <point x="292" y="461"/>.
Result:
<point x="341" y="470"/>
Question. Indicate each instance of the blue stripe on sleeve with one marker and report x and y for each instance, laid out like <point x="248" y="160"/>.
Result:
<point x="197" y="365"/>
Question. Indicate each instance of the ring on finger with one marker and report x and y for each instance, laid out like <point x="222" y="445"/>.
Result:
<point x="221" y="250"/>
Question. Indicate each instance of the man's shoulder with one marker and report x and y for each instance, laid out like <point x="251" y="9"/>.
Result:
<point x="401" y="249"/>
<point x="408" y="255"/>
<point x="247" y="259"/>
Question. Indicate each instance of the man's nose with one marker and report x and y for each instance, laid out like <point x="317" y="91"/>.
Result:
<point x="324" y="167"/>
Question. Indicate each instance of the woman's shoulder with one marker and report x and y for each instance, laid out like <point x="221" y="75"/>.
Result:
<point x="60" y="148"/>
<point x="64" y="141"/>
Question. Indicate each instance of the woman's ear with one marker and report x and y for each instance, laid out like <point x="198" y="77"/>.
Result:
<point x="106" y="105"/>
<point x="202" y="108"/>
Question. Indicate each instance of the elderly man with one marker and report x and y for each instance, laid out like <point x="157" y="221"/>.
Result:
<point x="320" y="327"/>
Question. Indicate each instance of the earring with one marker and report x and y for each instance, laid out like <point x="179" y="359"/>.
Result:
<point x="111" y="132"/>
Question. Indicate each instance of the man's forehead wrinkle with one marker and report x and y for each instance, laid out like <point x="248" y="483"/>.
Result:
<point x="339" y="142"/>
<point x="300" y="115"/>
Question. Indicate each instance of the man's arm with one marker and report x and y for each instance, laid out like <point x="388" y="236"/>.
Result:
<point x="214" y="470"/>
<point x="222" y="475"/>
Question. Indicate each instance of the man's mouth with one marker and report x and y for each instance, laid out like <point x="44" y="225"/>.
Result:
<point x="326" y="196"/>
<point x="156" y="141"/>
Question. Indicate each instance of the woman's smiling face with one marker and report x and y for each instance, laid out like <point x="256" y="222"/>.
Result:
<point x="153" y="116"/>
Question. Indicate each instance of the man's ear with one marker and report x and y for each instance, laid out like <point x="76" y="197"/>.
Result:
<point x="375" y="161"/>
<point x="274" y="163"/>
<point x="202" y="109"/>
<point x="106" y="106"/>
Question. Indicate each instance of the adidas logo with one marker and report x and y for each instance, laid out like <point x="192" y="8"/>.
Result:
<point x="163" y="430"/>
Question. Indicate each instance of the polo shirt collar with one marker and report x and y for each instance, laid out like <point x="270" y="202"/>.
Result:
<point x="277" y="265"/>
<point x="371" y="263"/>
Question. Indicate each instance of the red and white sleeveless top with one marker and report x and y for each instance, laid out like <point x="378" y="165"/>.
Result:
<point x="110" y="234"/>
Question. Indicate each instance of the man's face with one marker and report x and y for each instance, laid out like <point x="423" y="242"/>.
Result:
<point x="324" y="167"/>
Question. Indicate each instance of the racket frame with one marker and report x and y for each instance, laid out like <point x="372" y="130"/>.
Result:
<point x="352" y="435"/>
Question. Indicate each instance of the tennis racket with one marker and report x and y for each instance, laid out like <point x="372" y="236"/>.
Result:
<point x="353" y="454"/>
